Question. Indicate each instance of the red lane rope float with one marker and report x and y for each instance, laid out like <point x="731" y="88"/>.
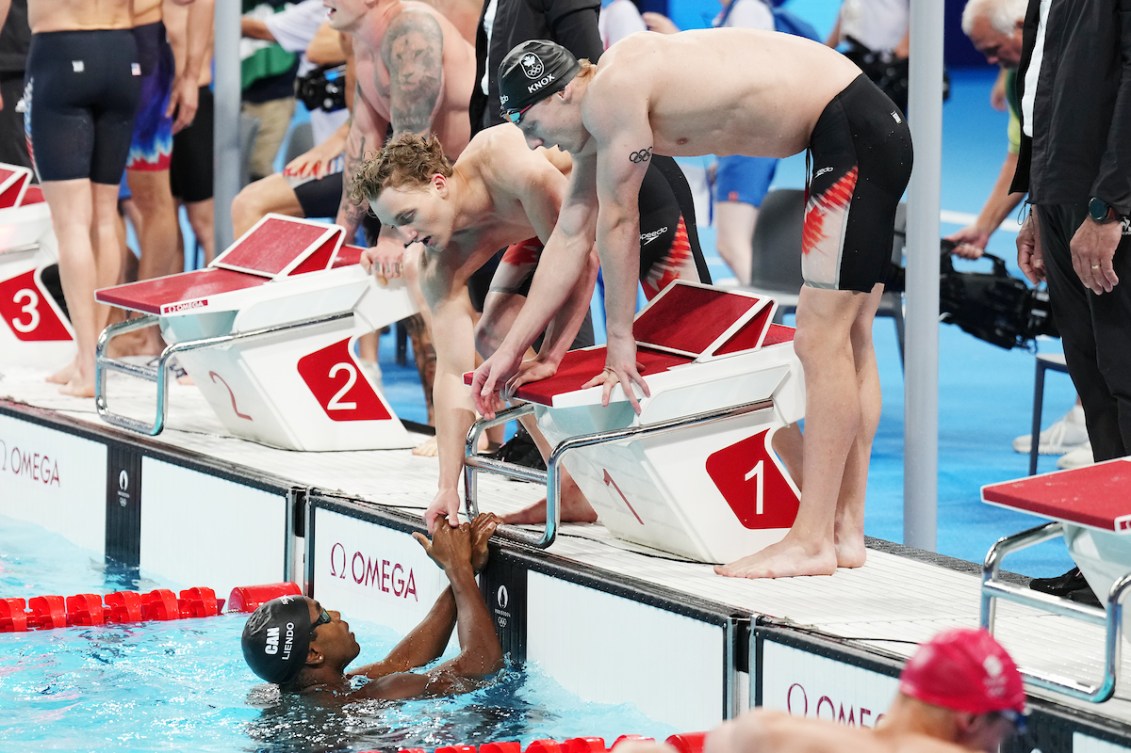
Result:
<point x="248" y="598"/>
<point x="87" y="610"/>
<point x="687" y="742"/>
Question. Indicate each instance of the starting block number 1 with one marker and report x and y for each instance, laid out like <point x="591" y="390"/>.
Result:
<point x="25" y="310"/>
<point x="752" y="483"/>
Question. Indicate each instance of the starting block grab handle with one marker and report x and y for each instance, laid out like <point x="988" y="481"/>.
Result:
<point x="103" y="364"/>
<point x="552" y="475"/>
<point x="1110" y="617"/>
<point x="160" y="374"/>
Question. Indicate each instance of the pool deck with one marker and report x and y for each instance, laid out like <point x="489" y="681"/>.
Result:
<point x="900" y="597"/>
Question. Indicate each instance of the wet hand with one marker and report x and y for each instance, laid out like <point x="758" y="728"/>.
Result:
<point x="530" y="370"/>
<point x="493" y="373"/>
<point x="621" y="368"/>
<point x="482" y="528"/>
<point x="449" y="547"/>
<point x="444" y="506"/>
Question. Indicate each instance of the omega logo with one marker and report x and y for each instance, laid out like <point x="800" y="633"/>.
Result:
<point x="797" y="703"/>
<point x="365" y="570"/>
<point x="34" y="466"/>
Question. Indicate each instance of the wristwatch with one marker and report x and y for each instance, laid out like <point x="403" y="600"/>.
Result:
<point x="1101" y="212"/>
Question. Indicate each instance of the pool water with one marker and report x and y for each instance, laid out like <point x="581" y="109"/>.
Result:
<point x="183" y="685"/>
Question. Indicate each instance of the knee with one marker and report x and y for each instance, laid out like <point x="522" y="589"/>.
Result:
<point x="816" y="346"/>
<point x="153" y="196"/>
<point x="247" y="209"/>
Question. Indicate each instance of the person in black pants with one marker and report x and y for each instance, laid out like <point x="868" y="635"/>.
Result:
<point x="1075" y="161"/>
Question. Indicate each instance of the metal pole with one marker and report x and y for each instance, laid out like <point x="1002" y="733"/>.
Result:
<point x="921" y="376"/>
<point x="226" y="130"/>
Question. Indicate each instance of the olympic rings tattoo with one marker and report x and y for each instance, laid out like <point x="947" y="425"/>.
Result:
<point x="641" y="156"/>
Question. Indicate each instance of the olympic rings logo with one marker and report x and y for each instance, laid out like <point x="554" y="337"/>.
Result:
<point x="641" y="156"/>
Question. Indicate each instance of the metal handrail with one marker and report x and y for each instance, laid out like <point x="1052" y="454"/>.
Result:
<point x="1110" y="617"/>
<point x="552" y="475"/>
<point x="159" y="373"/>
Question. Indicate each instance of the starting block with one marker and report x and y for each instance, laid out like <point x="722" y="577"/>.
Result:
<point x="1092" y="513"/>
<point x="36" y="331"/>
<point x="695" y="472"/>
<point x="267" y="331"/>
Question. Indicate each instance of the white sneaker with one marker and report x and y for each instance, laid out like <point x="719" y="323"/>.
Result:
<point x="1077" y="458"/>
<point x="1066" y="435"/>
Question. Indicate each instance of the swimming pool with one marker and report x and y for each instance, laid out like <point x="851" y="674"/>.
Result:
<point x="183" y="685"/>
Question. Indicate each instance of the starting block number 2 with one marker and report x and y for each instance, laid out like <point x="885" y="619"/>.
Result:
<point x="333" y="377"/>
<point x="27" y="313"/>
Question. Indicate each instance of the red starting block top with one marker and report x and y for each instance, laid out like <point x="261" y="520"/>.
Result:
<point x="13" y="181"/>
<point x="703" y="322"/>
<point x="1095" y="496"/>
<point x="276" y="247"/>
<point x="347" y="256"/>
<point x="581" y="365"/>
<point x="33" y="195"/>
<point x="183" y="292"/>
<point x="279" y="246"/>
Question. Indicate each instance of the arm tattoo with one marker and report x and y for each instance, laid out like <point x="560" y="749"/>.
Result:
<point x="413" y="52"/>
<point x="640" y="156"/>
<point x="353" y="158"/>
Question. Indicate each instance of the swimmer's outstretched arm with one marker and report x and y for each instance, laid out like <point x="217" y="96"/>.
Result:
<point x="461" y="552"/>
<point x="453" y="335"/>
<point x="542" y="196"/>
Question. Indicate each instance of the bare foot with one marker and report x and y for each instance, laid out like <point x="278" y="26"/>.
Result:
<point x="850" y="549"/>
<point x="574" y="508"/>
<point x="784" y="559"/>
<point x="65" y="374"/>
<point x="134" y="343"/>
<point x="78" y="387"/>
<point x="426" y="449"/>
<point x="430" y="449"/>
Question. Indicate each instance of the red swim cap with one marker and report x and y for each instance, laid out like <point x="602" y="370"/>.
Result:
<point x="964" y="670"/>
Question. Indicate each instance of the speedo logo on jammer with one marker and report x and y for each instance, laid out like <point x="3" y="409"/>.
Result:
<point x="646" y="238"/>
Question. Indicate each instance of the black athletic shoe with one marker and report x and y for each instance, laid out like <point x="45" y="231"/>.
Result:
<point x="1060" y="585"/>
<point x="1084" y="595"/>
<point x="520" y="450"/>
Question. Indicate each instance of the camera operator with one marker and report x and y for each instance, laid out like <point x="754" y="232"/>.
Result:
<point x="301" y="28"/>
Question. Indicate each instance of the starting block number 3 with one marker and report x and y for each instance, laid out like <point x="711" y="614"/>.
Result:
<point x="27" y="313"/>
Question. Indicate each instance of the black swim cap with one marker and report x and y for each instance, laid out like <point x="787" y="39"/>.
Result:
<point x="276" y="638"/>
<point x="533" y="71"/>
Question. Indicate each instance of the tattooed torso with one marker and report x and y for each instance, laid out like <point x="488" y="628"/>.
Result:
<point x="420" y="77"/>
